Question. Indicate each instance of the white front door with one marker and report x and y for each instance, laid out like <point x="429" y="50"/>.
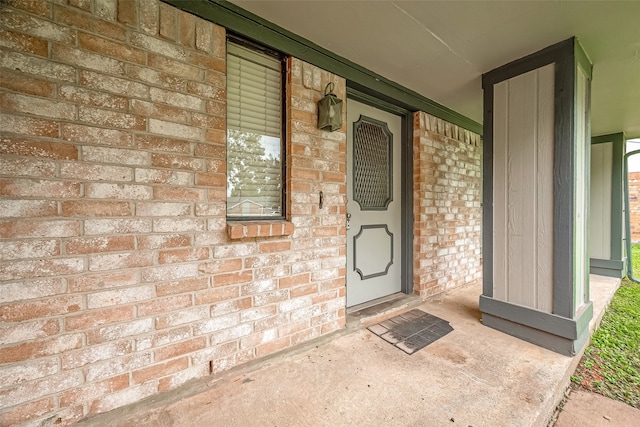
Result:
<point x="374" y="203"/>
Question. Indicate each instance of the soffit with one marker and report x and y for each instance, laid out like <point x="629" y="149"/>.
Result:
<point x="440" y="49"/>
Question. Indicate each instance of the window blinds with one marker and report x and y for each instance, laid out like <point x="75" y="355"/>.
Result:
<point x="254" y="92"/>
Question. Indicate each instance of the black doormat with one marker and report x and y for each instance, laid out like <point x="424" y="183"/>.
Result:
<point x="412" y="330"/>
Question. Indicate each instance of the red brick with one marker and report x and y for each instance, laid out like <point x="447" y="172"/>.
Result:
<point x="94" y="208"/>
<point x="94" y="98"/>
<point x="112" y="84"/>
<point x="99" y="244"/>
<point x="38" y="188"/>
<point x="13" y="333"/>
<point x="184" y="347"/>
<point x="231" y="306"/>
<point x="187" y="27"/>
<point x="119" y="261"/>
<point x="159" y="111"/>
<point x="232" y="278"/>
<point x="29" y="126"/>
<point x="27" y="411"/>
<point x="273" y="346"/>
<point x="160" y="370"/>
<point x="113" y="119"/>
<point x="41" y="308"/>
<point x="128" y="12"/>
<point x="93" y="318"/>
<point x="30" y="24"/>
<point x="161" y="305"/>
<point x="163" y="338"/>
<point x="182" y="286"/>
<point x="122" y="398"/>
<point x="40" y="268"/>
<point x="83" y="21"/>
<point x="171" y="66"/>
<point x="35" y="148"/>
<point x="221" y="266"/>
<point x="299" y="291"/>
<point x="37" y="7"/>
<point x="300" y="279"/>
<point x="211" y="179"/>
<point x="101" y="281"/>
<point x="111" y="48"/>
<point x="162" y="144"/>
<point x="35" y="349"/>
<point x="120" y="296"/>
<point x="27" y="208"/>
<point x="115" y="332"/>
<point x="216" y="295"/>
<point x="14" y="250"/>
<point x="84" y="59"/>
<point x="96" y="353"/>
<point x="277" y="246"/>
<point x="24" y="83"/>
<point x="183" y="255"/>
<point x="176" y="162"/>
<point x="24" y="42"/>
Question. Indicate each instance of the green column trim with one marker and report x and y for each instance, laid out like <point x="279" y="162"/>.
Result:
<point x="617" y="189"/>
<point x="243" y="22"/>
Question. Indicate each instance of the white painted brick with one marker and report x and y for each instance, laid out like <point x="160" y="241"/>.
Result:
<point x="215" y="324"/>
<point x="25" y="208"/>
<point x="231" y="334"/>
<point x="176" y="99"/>
<point x="120" y="365"/>
<point x="28" y="370"/>
<point x="172" y="225"/>
<point x="116" y="226"/>
<point x="164" y="177"/>
<point x="115" y="155"/>
<point x="28" y="249"/>
<point x="197" y="371"/>
<point x="177" y="130"/>
<point x="17" y="291"/>
<point x="170" y="272"/>
<point x="94" y="354"/>
<point x="158" y="46"/>
<point x="121" y="296"/>
<point x="26" y="330"/>
<point x="124" y="397"/>
<point x="294" y="304"/>
<point x="136" y="327"/>
<point x="119" y="191"/>
<point x="33" y="390"/>
<point x="113" y="84"/>
<point x="163" y="209"/>
<point x="36" y="66"/>
<point x="183" y="316"/>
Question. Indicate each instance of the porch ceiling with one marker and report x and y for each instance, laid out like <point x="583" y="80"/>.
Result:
<point x="440" y="49"/>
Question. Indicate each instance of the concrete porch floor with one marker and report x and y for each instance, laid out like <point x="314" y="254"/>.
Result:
<point x="474" y="376"/>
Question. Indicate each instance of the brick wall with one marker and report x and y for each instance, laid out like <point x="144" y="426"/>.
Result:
<point x="447" y="205"/>
<point x="634" y="206"/>
<point x="119" y="275"/>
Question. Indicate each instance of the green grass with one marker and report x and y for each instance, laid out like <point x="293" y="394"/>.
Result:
<point x="635" y="256"/>
<point x="611" y="363"/>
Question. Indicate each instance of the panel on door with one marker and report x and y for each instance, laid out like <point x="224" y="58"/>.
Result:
<point x="374" y="213"/>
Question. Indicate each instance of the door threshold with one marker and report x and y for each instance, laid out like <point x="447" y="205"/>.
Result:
<point x="379" y="309"/>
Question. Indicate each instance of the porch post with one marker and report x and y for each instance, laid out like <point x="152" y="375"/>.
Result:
<point x="535" y="198"/>
<point x="605" y="205"/>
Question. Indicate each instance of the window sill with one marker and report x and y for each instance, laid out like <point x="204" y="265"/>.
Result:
<point x="245" y="229"/>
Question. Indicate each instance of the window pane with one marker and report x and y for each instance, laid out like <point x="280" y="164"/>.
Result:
<point x="254" y="123"/>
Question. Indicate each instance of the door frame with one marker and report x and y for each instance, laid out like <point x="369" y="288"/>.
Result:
<point x="406" y="178"/>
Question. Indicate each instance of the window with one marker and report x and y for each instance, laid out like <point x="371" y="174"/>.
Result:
<point x="255" y="138"/>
